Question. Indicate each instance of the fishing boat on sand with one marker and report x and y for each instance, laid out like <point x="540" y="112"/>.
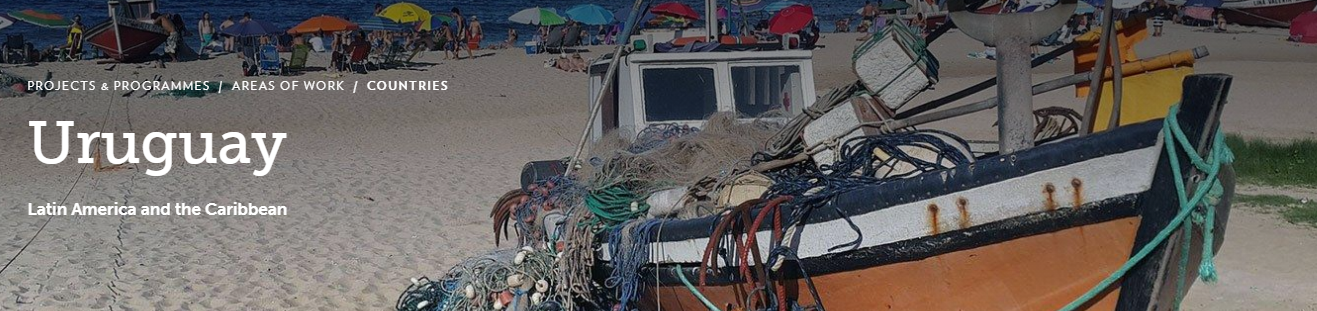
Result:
<point x="129" y="34"/>
<point x="847" y="203"/>
<point x="1272" y="13"/>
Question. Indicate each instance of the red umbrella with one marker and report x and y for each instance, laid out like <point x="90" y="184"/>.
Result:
<point x="791" y="19"/>
<point x="675" y="9"/>
<point x="1304" y="27"/>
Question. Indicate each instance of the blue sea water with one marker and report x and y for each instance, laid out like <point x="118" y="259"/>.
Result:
<point x="493" y="14"/>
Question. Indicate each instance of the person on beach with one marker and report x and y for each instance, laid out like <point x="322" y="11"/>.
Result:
<point x="918" y="23"/>
<point x="246" y="17"/>
<point x="379" y="8"/>
<point x="447" y="42"/>
<point x="511" y="42"/>
<point x="228" y="40"/>
<point x="75" y="38"/>
<point x="462" y="33"/>
<point x="317" y="42"/>
<point x="869" y="11"/>
<point x="171" y="44"/>
<point x="477" y="33"/>
<point x="207" y="30"/>
<point x="1220" y="22"/>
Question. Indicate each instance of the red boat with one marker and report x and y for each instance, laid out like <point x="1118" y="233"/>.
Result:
<point x="1272" y="13"/>
<point x="129" y="34"/>
<point x="1277" y="13"/>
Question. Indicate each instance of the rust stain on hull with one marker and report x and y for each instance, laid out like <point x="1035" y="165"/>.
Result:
<point x="932" y="219"/>
<point x="1078" y="186"/>
<point x="962" y="204"/>
<point x="1049" y="197"/>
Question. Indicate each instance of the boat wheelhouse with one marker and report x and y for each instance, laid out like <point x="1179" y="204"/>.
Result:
<point x="685" y="88"/>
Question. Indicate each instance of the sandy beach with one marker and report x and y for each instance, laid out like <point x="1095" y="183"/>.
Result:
<point x="385" y="186"/>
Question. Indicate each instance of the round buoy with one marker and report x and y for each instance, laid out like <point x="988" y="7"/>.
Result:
<point x="19" y="88"/>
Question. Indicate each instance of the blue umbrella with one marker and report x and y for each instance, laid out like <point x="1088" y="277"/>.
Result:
<point x="778" y="6"/>
<point x="590" y="14"/>
<point x="380" y="23"/>
<point x="251" y="28"/>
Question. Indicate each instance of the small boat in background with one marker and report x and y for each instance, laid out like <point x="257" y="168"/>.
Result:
<point x="1271" y="13"/>
<point x="128" y="35"/>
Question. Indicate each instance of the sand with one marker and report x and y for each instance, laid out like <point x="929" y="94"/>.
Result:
<point x="386" y="186"/>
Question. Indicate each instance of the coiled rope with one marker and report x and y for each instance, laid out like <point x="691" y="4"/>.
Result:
<point x="1204" y="212"/>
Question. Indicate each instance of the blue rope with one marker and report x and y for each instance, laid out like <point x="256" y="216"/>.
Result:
<point x="628" y="247"/>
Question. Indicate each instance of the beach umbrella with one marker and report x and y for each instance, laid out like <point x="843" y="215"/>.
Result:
<point x="790" y="19"/>
<point x="590" y="14"/>
<point x="777" y="6"/>
<point x="738" y="6"/>
<point x="437" y="21"/>
<point x="407" y="13"/>
<point x="1304" y="28"/>
<point x="537" y="16"/>
<point x="323" y="23"/>
<point x="250" y="29"/>
<point x="675" y="9"/>
<point x="381" y="23"/>
<point x="41" y="18"/>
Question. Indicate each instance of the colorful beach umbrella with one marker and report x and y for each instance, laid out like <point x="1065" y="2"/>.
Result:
<point x="778" y="6"/>
<point x="407" y="13"/>
<point x="323" y="23"/>
<point x="675" y="9"/>
<point x="537" y="16"/>
<point x="250" y="29"/>
<point x="590" y="14"/>
<point x="41" y="18"/>
<point x="381" y="23"/>
<point x="437" y="21"/>
<point x="790" y="19"/>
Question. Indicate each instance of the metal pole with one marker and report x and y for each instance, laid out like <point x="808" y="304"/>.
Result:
<point x="1116" y="83"/>
<point x="599" y="102"/>
<point x="1095" y="84"/>
<point x="1015" y="96"/>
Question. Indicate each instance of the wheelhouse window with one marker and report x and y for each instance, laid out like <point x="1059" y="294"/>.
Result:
<point x="760" y="89"/>
<point x="679" y="94"/>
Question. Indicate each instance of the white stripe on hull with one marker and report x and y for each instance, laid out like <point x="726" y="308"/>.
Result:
<point x="1102" y="178"/>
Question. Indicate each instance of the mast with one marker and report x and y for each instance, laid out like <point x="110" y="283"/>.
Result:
<point x="711" y="19"/>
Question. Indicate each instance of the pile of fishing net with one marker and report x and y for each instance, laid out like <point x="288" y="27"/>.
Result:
<point x="626" y="187"/>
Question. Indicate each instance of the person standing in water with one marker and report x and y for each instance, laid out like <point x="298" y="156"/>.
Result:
<point x="228" y="40"/>
<point x="207" y="30"/>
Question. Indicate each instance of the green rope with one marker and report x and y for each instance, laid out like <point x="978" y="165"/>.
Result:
<point x="694" y="291"/>
<point x="615" y="204"/>
<point x="1210" y="187"/>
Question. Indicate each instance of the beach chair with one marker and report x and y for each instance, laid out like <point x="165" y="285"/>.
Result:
<point x="359" y="55"/>
<point x="297" y="61"/>
<point x="268" y="62"/>
<point x="16" y="50"/>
